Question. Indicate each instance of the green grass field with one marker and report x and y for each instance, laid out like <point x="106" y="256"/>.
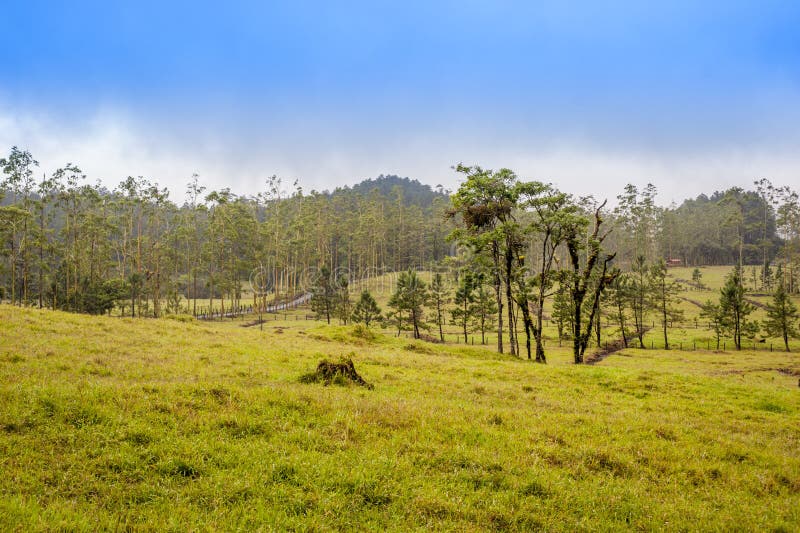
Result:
<point x="110" y="423"/>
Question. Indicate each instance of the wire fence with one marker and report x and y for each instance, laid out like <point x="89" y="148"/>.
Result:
<point x="281" y="312"/>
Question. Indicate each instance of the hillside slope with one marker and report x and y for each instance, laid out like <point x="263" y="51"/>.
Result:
<point x="111" y="423"/>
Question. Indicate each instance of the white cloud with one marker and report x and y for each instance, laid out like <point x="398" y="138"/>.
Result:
<point x="110" y="145"/>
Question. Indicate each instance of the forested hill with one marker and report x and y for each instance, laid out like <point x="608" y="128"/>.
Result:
<point x="78" y="246"/>
<point x="412" y="191"/>
<point x="715" y="229"/>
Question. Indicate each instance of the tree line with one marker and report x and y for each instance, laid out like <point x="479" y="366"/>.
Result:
<point x="66" y="243"/>
<point x="531" y="243"/>
<point x="514" y="245"/>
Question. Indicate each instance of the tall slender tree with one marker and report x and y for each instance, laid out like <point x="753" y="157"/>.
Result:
<point x="464" y="297"/>
<point x="19" y="180"/>
<point x="585" y="280"/>
<point x="665" y="294"/>
<point x="438" y="300"/>
<point x="782" y="315"/>
<point x="484" y="203"/>
<point x="640" y="296"/>
<point x="554" y="214"/>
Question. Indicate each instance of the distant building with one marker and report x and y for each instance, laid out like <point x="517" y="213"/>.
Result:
<point x="674" y="262"/>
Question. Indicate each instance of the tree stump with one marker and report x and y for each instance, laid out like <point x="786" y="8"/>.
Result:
<point x="341" y="373"/>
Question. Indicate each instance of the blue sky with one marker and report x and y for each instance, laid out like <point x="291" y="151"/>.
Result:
<point x="590" y="95"/>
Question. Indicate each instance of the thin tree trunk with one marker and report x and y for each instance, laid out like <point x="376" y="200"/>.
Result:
<point x="508" y="266"/>
<point x="498" y="296"/>
<point x="621" y="317"/>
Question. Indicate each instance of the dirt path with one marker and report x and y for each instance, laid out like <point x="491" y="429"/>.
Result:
<point x="610" y="348"/>
<point x="695" y="302"/>
<point x="698" y="286"/>
<point x="280" y="307"/>
<point x="757" y="304"/>
<point x="748" y="300"/>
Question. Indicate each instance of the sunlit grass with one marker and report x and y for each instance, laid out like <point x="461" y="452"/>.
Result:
<point x="107" y="423"/>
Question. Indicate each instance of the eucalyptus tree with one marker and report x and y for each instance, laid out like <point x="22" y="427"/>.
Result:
<point x="584" y="280"/>
<point x="192" y="231"/>
<point x="214" y="248"/>
<point x="47" y="191"/>
<point x="673" y="233"/>
<point x="11" y="219"/>
<point x="19" y="180"/>
<point x="639" y="217"/>
<point x="230" y="249"/>
<point x="484" y="203"/>
<point x="769" y="197"/>
<point x="159" y="212"/>
<point x="273" y="229"/>
<point x="554" y="213"/>
<point x="788" y="222"/>
<point x="130" y="199"/>
<point x="244" y="245"/>
<point x="95" y="227"/>
<point x="71" y="201"/>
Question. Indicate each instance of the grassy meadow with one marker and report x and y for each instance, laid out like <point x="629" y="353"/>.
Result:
<point x="119" y="423"/>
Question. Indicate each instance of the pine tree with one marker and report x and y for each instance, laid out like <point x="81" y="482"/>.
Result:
<point x="782" y="315"/>
<point x="619" y="296"/>
<point x="665" y="293"/>
<point x="640" y="303"/>
<point x="344" y="307"/>
<point x="438" y="300"/>
<point x="697" y="278"/>
<point x="410" y="296"/>
<point x="323" y="295"/>
<point x="562" y="308"/>
<point x="735" y="310"/>
<point x="366" y="309"/>
<point x="461" y="314"/>
<point x="713" y="313"/>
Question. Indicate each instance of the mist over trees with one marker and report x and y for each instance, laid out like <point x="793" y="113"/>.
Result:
<point x="68" y="244"/>
<point x="501" y="249"/>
